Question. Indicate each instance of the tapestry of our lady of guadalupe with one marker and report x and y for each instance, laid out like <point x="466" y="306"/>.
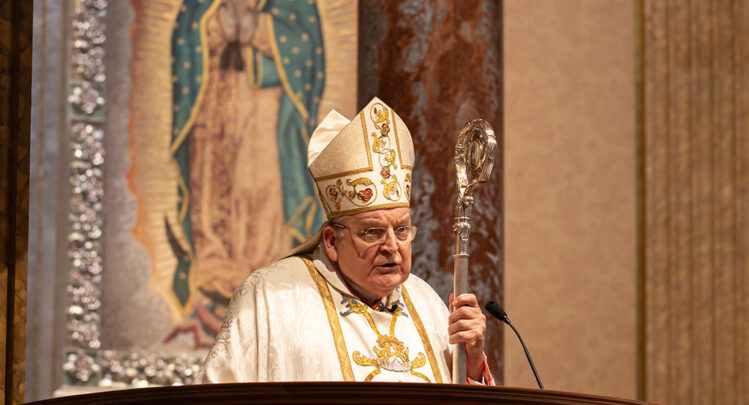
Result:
<point x="218" y="149"/>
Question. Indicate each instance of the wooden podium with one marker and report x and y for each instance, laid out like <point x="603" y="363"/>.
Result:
<point x="335" y="393"/>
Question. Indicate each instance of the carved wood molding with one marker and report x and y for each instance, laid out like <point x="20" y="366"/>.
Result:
<point x="336" y="393"/>
<point x="15" y="106"/>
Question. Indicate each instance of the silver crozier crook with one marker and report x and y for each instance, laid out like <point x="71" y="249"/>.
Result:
<point x="474" y="160"/>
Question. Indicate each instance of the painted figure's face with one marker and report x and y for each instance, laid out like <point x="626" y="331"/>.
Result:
<point x="372" y="249"/>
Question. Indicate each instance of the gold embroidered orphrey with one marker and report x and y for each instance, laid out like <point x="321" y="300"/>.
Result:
<point x="335" y="326"/>
<point x="390" y="351"/>
<point x="381" y="145"/>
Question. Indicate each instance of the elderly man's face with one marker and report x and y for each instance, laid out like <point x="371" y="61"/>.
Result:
<point x="377" y="268"/>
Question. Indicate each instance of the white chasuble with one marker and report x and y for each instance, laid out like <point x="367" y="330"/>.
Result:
<point x="296" y="320"/>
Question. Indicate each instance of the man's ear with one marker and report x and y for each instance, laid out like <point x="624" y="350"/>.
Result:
<point x="328" y="239"/>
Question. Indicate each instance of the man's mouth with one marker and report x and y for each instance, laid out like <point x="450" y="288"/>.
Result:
<point x="388" y="267"/>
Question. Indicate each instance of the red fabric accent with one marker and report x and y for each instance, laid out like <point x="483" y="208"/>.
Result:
<point x="487" y="375"/>
<point x="488" y="380"/>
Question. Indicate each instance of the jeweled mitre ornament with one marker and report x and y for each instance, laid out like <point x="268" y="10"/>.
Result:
<point x="363" y="164"/>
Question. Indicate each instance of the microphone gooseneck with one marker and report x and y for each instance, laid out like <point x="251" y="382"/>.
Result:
<point x="499" y="313"/>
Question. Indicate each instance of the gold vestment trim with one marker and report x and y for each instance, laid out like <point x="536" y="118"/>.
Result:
<point x="335" y="325"/>
<point x="423" y="335"/>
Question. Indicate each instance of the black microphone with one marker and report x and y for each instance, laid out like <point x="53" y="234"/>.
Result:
<point x="499" y="313"/>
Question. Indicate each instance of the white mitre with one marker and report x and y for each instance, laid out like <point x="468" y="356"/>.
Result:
<point x="364" y="164"/>
<point x="360" y="165"/>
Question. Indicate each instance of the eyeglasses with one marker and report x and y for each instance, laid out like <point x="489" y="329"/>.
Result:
<point x="378" y="236"/>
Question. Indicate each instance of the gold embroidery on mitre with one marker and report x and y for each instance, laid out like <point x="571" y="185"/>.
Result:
<point x="392" y="354"/>
<point x="407" y="186"/>
<point x="381" y="145"/>
<point x="360" y="197"/>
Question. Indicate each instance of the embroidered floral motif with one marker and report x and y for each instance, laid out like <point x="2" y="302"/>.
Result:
<point x="353" y="305"/>
<point x="391" y="353"/>
<point x="381" y="145"/>
<point x="407" y="184"/>
<point x="361" y="192"/>
<point x="334" y="195"/>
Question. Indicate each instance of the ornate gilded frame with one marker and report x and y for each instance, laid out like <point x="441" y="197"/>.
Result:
<point x="86" y="362"/>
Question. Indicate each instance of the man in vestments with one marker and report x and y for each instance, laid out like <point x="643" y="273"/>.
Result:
<point x="343" y="306"/>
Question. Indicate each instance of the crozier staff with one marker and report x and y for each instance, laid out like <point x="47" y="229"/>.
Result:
<point x="343" y="306"/>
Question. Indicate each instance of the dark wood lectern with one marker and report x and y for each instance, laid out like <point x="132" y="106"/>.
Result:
<point x="335" y="393"/>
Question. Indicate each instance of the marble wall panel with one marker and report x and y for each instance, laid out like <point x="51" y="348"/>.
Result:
<point x="439" y="64"/>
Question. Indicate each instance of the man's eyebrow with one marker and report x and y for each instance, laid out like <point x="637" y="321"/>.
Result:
<point x="403" y="221"/>
<point x="372" y="223"/>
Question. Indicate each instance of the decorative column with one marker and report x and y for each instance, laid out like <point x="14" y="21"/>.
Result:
<point x="694" y="247"/>
<point x="89" y="361"/>
<point x="439" y="65"/>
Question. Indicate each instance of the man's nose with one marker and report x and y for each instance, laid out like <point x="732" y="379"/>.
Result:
<point x="390" y="241"/>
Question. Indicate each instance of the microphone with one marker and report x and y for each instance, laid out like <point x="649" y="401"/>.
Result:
<point x="499" y="313"/>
